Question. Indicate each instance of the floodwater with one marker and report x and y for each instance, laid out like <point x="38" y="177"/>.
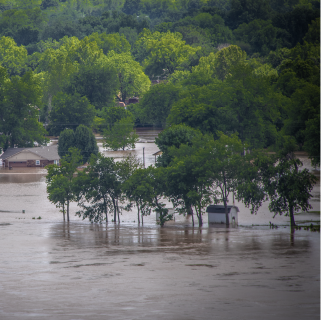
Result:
<point x="55" y="270"/>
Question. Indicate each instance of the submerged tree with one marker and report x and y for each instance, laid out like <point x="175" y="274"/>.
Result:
<point x="121" y="135"/>
<point x="99" y="189"/>
<point x="207" y="170"/>
<point x="137" y="190"/>
<point x="61" y="182"/>
<point x="288" y="186"/>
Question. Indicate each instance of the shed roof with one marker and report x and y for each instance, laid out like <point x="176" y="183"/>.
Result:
<point x="214" y="208"/>
<point x="46" y="152"/>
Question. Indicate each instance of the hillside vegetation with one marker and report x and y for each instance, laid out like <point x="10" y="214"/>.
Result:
<point x="245" y="67"/>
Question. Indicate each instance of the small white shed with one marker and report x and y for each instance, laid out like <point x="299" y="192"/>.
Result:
<point x="216" y="214"/>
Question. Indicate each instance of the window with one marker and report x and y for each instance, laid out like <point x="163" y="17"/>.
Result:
<point x="56" y="162"/>
<point x="37" y="162"/>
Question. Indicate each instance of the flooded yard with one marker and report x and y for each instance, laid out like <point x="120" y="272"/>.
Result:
<point x="55" y="270"/>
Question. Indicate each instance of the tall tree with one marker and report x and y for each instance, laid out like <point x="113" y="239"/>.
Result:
<point x="19" y="110"/>
<point x="82" y="138"/>
<point x="173" y="136"/>
<point x="209" y="170"/>
<point x="61" y="182"/>
<point x="69" y="111"/>
<point x="121" y="135"/>
<point x="139" y="192"/>
<point x="12" y="57"/>
<point x="288" y="186"/>
<point x="156" y="104"/>
<point x="155" y="184"/>
<point x="98" y="82"/>
<point x="99" y="190"/>
<point x="132" y="80"/>
<point x="162" y="53"/>
<point x="227" y="58"/>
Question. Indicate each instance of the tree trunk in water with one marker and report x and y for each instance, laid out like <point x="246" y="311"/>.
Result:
<point x="292" y="236"/>
<point x="226" y="213"/>
<point x="189" y="210"/>
<point x="193" y="218"/>
<point x="63" y="210"/>
<point x="68" y="210"/>
<point x="199" y="215"/>
<point x="292" y="217"/>
<point x="106" y="212"/>
<point x="114" y="210"/>
<point x="117" y="211"/>
<point x="138" y="213"/>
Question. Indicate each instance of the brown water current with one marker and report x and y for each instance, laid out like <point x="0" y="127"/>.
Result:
<point x="50" y="269"/>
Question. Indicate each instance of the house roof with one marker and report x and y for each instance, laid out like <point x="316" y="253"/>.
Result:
<point x="10" y="152"/>
<point x="220" y="208"/>
<point x="46" y="152"/>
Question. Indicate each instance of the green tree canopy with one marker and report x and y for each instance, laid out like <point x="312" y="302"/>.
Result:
<point x="98" y="82"/>
<point x="132" y="79"/>
<point x="244" y="103"/>
<point x="113" y="114"/>
<point x="227" y="58"/>
<point x="162" y="53"/>
<point x="12" y="57"/>
<point x="156" y="104"/>
<point x="99" y="189"/>
<point x="22" y="24"/>
<point x="121" y="135"/>
<point x="111" y="42"/>
<point x="61" y="182"/>
<point x="288" y="187"/>
<point x="174" y="136"/>
<point x="69" y="111"/>
<point x="19" y="110"/>
<point x="82" y="138"/>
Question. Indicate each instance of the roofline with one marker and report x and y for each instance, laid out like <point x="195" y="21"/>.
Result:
<point x="29" y="149"/>
<point x="12" y="154"/>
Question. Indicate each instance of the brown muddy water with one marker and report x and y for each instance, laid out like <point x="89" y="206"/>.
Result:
<point x="54" y="270"/>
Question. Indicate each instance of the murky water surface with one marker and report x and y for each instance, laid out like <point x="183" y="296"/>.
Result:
<point x="54" y="270"/>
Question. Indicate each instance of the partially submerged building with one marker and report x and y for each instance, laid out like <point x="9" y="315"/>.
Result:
<point x="216" y="214"/>
<point x="30" y="157"/>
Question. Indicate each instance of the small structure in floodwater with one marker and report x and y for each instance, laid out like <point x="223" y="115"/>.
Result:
<point x="216" y="214"/>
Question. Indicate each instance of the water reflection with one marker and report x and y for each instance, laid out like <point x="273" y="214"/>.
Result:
<point x="180" y="239"/>
<point x="22" y="178"/>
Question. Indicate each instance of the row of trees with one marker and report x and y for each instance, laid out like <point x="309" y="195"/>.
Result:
<point x="194" y="171"/>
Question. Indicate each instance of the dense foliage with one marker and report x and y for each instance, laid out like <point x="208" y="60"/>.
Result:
<point x="235" y="67"/>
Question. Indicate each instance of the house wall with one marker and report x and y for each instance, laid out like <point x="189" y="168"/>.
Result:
<point x="15" y="163"/>
<point x="43" y="163"/>
<point x="28" y="163"/>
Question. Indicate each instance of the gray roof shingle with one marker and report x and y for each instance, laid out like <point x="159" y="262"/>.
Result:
<point x="46" y="152"/>
<point x="10" y="152"/>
